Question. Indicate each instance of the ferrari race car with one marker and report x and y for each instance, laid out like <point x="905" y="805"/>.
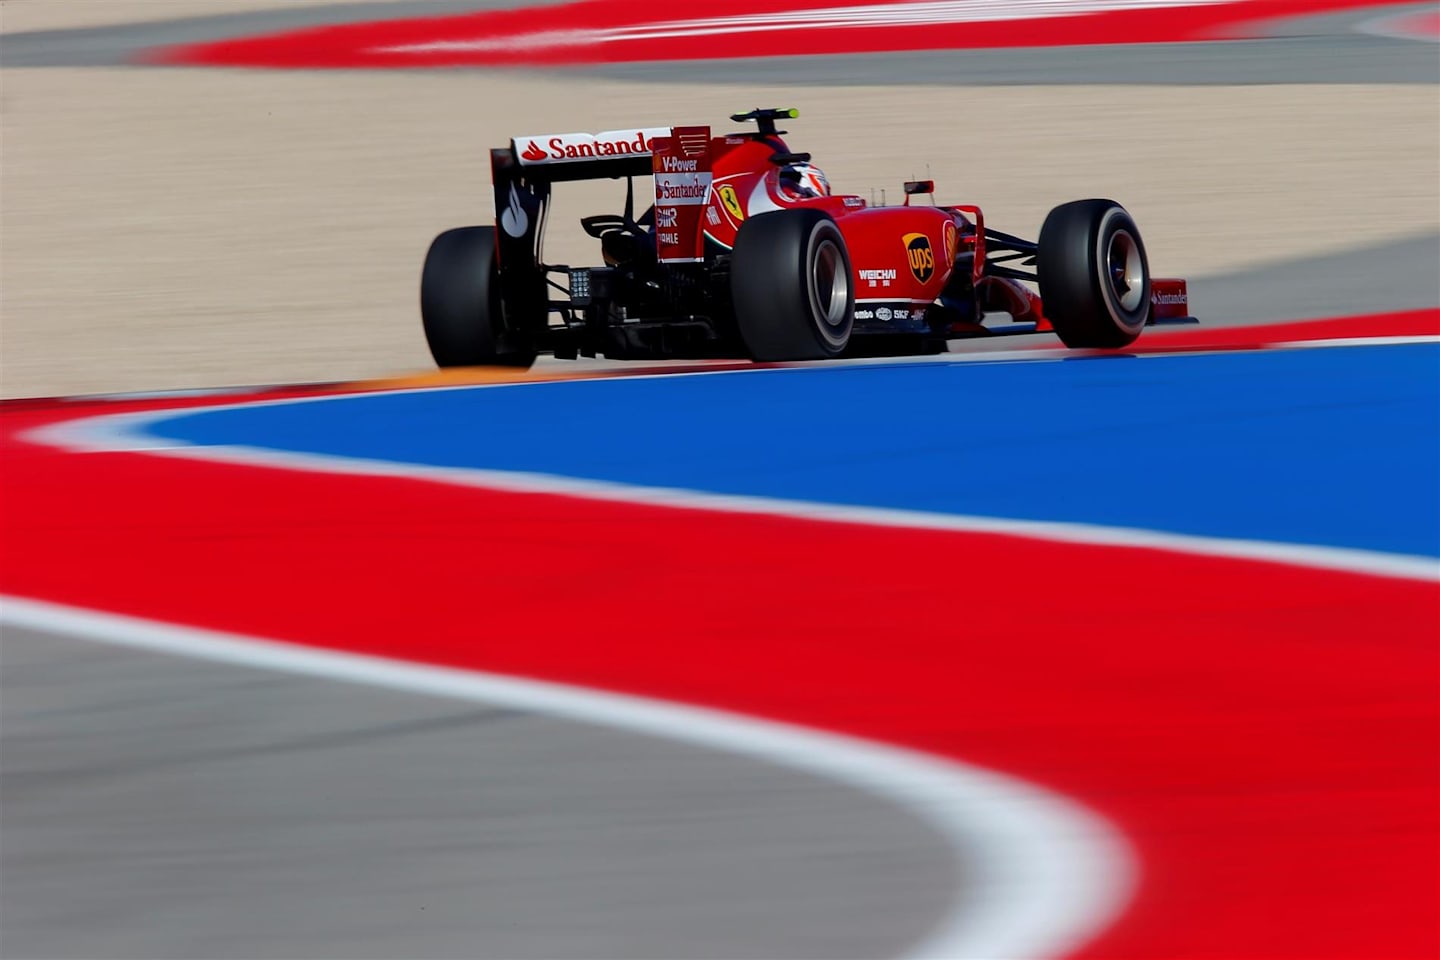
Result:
<point x="746" y="253"/>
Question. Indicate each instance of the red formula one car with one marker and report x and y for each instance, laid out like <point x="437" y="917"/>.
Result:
<point x="745" y="252"/>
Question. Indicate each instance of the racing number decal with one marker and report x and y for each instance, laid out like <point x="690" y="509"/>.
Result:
<point x="920" y="256"/>
<point x="732" y="202"/>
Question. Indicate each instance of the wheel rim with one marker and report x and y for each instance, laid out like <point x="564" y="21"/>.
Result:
<point x="829" y="289"/>
<point x="1125" y="270"/>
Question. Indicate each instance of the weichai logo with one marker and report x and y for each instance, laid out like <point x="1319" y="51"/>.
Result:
<point x="920" y="255"/>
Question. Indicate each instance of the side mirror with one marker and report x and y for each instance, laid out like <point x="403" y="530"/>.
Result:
<point x="913" y="187"/>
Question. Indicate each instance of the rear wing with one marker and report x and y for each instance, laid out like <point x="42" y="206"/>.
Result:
<point x="522" y="175"/>
<point x="554" y="158"/>
<point x="678" y="158"/>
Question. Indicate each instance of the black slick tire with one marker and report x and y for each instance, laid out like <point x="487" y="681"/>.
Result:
<point x="790" y="282"/>
<point x="1094" y="275"/>
<point x="460" y="303"/>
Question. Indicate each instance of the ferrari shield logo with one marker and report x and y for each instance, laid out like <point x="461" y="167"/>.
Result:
<point x="920" y="255"/>
<point x="732" y="202"/>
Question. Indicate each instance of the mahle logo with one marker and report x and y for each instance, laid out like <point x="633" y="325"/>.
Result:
<point x="732" y="202"/>
<point x="920" y="255"/>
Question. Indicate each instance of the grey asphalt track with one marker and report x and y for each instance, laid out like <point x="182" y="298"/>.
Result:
<point x="1341" y="59"/>
<point x="158" y="807"/>
<point x="1402" y="275"/>
<point x="119" y="44"/>
<point x="1324" y="49"/>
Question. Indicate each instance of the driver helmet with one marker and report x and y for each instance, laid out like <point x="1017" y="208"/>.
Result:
<point x="803" y="181"/>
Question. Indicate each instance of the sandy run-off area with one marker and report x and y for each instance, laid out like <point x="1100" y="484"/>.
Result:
<point x="173" y="229"/>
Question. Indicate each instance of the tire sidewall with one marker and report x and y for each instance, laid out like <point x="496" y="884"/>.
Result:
<point x="778" y="309"/>
<point x="832" y="338"/>
<point x="1116" y="220"/>
<point x="1073" y="270"/>
<point x="461" y="308"/>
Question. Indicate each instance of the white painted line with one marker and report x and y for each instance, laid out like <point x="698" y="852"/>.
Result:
<point x="862" y="16"/>
<point x="1404" y="26"/>
<point x="1042" y="874"/>
<point x="1356" y="342"/>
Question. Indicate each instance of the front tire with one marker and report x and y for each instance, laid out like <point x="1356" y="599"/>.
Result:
<point x="1094" y="275"/>
<point x="790" y="284"/>
<point x="460" y="303"/>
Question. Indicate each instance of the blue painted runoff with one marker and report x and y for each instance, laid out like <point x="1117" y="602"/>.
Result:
<point x="1334" y="446"/>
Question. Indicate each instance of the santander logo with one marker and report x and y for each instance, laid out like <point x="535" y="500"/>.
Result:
<point x="572" y="147"/>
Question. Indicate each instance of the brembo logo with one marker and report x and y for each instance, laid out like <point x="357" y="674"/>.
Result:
<point x="567" y="147"/>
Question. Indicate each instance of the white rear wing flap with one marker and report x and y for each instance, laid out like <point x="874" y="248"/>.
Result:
<point x="586" y="156"/>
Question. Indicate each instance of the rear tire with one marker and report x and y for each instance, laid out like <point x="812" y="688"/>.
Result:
<point x="1094" y="275"/>
<point x="790" y="284"/>
<point x="460" y="303"/>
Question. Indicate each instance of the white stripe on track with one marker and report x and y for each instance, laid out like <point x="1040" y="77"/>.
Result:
<point x="1043" y="874"/>
<point x="1400" y="26"/>
<point x="862" y="16"/>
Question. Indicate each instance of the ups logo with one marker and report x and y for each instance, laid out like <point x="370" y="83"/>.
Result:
<point x="920" y="255"/>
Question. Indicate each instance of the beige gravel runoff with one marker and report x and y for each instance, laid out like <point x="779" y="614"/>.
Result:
<point x="163" y="229"/>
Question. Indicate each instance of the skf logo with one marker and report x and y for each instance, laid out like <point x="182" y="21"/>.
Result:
<point x="732" y="202"/>
<point x="921" y="256"/>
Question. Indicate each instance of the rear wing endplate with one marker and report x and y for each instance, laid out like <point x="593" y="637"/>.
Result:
<point x="681" y="166"/>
